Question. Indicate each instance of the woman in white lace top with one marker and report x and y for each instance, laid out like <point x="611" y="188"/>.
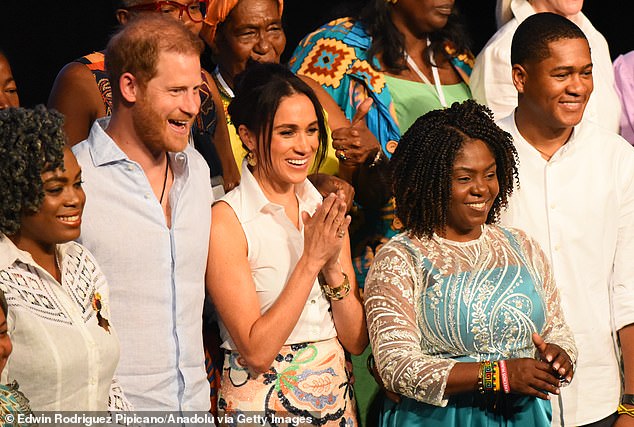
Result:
<point x="464" y="316"/>
<point x="65" y="349"/>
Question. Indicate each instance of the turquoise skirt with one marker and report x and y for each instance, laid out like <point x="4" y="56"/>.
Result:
<point x="469" y="410"/>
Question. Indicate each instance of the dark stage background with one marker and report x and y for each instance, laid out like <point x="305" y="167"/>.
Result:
<point x="41" y="36"/>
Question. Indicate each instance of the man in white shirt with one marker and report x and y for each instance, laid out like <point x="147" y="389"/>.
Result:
<point x="149" y="212"/>
<point x="576" y="197"/>
<point x="491" y="77"/>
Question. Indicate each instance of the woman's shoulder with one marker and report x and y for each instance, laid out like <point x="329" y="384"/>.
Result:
<point x="336" y="29"/>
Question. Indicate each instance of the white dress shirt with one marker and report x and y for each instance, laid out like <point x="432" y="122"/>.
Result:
<point x="491" y="82"/>
<point x="579" y="206"/>
<point x="274" y="247"/>
<point x="62" y="358"/>
<point x="156" y="273"/>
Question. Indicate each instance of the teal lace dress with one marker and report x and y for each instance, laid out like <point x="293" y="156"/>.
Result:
<point x="432" y="303"/>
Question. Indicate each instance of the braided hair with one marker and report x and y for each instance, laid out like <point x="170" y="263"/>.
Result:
<point x="422" y="165"/>
<point x="31" y="143"/>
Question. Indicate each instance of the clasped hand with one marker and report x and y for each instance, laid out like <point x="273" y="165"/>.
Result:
<point x="539" y="377"/>
<point x="325" y="230"/>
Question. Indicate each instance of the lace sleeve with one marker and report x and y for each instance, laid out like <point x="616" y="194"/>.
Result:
<point x="555" y="330"/>
<point x="395" y="336"/>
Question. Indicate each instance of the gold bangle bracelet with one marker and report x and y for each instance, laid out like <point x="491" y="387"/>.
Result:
<point x="338" y="293"/>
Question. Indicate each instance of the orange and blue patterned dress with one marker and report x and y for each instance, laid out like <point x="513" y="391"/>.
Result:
<point x="336" y="56"/>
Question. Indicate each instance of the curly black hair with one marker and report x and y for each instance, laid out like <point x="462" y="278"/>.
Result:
<point x="389" y="43"/>
<point x="31" y="143"/>
<point x="422" y="165"/>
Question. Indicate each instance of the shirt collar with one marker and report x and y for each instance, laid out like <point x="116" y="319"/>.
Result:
<point x="253" y="200"/>
<point x="564" y="150"/>
<point x="10" y="253"/>
<point x="103" y="149"/>
<point x="521" y="9"/>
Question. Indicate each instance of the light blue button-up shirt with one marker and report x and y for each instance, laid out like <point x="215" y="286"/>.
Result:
<point x="156" y="274"/>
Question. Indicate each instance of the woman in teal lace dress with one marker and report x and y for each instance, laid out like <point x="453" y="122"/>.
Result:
<point x="464" y="316"/>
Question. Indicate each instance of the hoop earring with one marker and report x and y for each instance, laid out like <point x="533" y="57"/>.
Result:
<point x="251" y="160"/>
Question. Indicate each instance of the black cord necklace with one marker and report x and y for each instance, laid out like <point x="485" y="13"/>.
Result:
<point x="167" y="163"/>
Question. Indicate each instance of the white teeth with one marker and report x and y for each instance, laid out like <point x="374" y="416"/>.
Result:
<point x="477" y="205"/>
<point x="69" y="218"/>
<point x="178" y="122"/>
<point x="297" y="162"/>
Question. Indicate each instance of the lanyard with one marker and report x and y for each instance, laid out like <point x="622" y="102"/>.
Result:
<point x="223" y="83"/>
<point x="423" y="77"/>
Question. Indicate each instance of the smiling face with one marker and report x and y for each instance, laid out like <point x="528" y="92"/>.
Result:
<point x="421" y="17"/>
<point x="253" y="31"/>
<point x="8" y="89"/>
<point x="167" y="104"/>
<point x="474" y="187"/>
<point x="58" y="219"/>
<point x="553" y="93"/>
<point x="294" y="142"/>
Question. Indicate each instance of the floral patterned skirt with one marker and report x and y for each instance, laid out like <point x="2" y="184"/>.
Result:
<point x="307" y="385"/>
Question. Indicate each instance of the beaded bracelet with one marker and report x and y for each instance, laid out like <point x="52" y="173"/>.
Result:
<point x="489" y="377"/>
<point x="504" y="376"/>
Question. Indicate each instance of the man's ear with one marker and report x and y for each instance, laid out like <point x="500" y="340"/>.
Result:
<point x="519" y="77"/>
<point x="247" y="137"/>
<point x="129" y="87"/>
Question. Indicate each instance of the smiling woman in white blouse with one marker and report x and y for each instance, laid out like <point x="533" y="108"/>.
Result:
<point x="65" y="350"/>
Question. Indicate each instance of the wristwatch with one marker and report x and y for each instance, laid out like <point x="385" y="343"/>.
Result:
<point x="627" y="399"/>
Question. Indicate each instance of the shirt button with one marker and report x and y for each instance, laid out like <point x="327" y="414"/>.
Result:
<point x="93" y="380"/>
<point x="146" y="195"/>
<point x="557" y="247"/>
<point x="312" y="301"/>
<point x="130" y="168"/>
<point x="180" y="157"/>
<point x="553" y="205"/>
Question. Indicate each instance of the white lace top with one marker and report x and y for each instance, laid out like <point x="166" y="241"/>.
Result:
<point x="432" y="303"/>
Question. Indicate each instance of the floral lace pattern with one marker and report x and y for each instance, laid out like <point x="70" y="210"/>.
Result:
<point x="432" y="303"/>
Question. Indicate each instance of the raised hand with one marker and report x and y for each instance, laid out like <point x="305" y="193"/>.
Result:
<point x="556" y="356"/>
<point x="353" y="144"/>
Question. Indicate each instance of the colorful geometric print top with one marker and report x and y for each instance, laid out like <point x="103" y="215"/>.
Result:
<point x="336" y="56"/>
<point x="96" y="65"/>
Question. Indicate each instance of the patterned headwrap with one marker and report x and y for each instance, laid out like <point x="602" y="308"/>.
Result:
<point x="217" y="12"/>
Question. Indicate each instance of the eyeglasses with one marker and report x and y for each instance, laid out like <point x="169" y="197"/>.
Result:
<point x="195" y="10"/>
